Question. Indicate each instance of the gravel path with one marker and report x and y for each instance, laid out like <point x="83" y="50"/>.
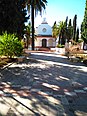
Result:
<point x="45" y="84"/>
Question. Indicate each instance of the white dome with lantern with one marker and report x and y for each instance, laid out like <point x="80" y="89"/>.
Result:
<point x="44" y="29"/>
<point x="44" y="37"/>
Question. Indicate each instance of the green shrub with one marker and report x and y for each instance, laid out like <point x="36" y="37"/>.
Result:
<point x="10" y="46"/>
<point x="60" y="46"/>
<point x="80" y="40"/>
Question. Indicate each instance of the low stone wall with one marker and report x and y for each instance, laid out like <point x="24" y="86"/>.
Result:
<point x="59" y="50"/>
<point x="20" y="59"/>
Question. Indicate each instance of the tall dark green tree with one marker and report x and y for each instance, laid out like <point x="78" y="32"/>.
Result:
<point x="84" y="26"/>
<point x="74" y="26"/>
<point x="70" y="30"/>
<point x="66" y="28"/>
<point x="77" y="35"/>
<point x="64" y="31"/>
<point x="33" y="7"/>
<point x="12" y="16"/>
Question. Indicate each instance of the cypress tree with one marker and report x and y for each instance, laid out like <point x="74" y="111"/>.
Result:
<point x="84" y="26"/>
<point x="77" y="35"/>
<point x="70" y="30"/>
<point x="66" y="30"/>
<point x="74" y="26"/>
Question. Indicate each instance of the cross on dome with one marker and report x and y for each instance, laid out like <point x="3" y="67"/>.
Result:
<point x="44" y="21"/>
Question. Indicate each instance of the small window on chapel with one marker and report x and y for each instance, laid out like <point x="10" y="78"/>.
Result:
<point x="44" y="30"/>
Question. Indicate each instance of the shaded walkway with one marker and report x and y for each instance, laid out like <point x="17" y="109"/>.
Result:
<point x="46" y="85"/>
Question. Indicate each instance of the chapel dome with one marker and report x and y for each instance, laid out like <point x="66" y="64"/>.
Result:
<point x="44" y="29"/>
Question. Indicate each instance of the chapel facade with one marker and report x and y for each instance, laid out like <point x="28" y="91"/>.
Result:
<point x="44" y="37"/>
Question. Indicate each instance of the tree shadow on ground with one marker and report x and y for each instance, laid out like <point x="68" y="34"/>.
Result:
<point x="45" y="88"/>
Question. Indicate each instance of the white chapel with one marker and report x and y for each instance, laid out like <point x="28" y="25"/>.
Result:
<point x="44" y="37"/>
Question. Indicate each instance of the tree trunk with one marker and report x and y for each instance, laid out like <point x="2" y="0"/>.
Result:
<point x="32" y="18"/>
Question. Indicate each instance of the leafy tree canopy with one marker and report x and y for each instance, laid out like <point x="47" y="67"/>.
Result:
<point x="12" y="16"/>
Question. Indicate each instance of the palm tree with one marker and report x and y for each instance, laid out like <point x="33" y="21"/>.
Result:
<point x="62" y="32"/>
<point x="55" y="30"/>
<point x="33" y="7"/>
<point x="59" y="30"/>
<point x="28" y="33"/>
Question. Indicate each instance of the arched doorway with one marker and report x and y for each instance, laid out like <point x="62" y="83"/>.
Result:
<point x="50" y="42"/>
<point x="44" y="43"/>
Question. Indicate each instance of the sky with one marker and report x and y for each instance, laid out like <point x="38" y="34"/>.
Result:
<point x="58" y="10"/>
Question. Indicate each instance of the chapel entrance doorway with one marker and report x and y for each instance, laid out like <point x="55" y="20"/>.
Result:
<point x="44" y="43"/>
